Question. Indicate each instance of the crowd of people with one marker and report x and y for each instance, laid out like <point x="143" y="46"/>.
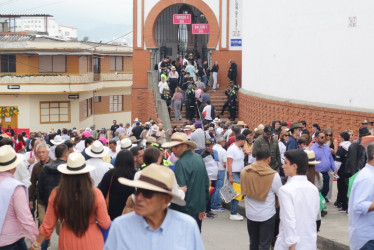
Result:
<point x="137" y="186"/>
<point x="185" y="82"/>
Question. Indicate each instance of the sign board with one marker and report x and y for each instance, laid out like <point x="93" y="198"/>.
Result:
<point x="13" y="87"/>
<point x="235" y="24"/>
<point x="200" y="28"/>
<point x="181" y="18"/>
<point x="236" y="42"/>
<point x="73" y="96"/>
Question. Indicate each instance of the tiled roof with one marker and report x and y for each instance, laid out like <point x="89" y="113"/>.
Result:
<point x="16" y="38"/>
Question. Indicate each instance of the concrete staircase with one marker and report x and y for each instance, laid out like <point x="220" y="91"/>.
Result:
<point x="218" y="99"/>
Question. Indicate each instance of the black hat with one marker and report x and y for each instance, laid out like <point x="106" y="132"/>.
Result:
<point x="268" y="130"/>
<point x="363" y="131"/>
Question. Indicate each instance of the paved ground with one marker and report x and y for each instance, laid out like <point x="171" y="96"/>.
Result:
<point x="221" y="233"/>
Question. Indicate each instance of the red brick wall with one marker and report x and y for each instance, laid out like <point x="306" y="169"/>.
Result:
<point x="255" y="110"/>
<point x="143" y="105"/>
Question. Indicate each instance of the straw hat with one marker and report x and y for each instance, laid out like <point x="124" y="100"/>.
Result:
<point x="76" y="165"/>
<point x="311" y="157"/>
<point x="8" y="158"/>
<point x="179" y="138"/>
<point x="125" y="144"/>
<point x="295" y="125"/>
<point x="156" y="178"/>
<point x="187" y="127"/>
<point x="241" y="123"/>
<point x="155" y="128"/>
<point x="150" y="139"/>
<point x="97" y="150"/>
<point x="57" y="140"/>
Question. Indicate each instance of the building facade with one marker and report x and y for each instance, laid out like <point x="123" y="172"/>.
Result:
<point x="214" y="33"/>
<point x="62" y="84"/>
<point x="307" y="61"/>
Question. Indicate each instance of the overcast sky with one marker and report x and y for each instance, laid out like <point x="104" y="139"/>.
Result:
<point x="97" y="19"/>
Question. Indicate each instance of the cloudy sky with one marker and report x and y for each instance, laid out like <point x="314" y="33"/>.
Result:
<point x="97" y="19"/>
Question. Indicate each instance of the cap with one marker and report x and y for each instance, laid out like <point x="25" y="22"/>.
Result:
<point x="268" y="129"/>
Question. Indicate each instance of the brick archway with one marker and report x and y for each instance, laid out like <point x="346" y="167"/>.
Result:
<point x="150" y="23"/>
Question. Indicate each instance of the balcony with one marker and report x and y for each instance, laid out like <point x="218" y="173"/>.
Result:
<point x="45" y="79"/>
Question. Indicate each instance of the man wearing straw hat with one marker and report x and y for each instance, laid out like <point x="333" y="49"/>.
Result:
<point x="190" y="171"/>
<point x="97" y="151"/>
<point x="152" y="223"/>
<point x="16" y="221"/>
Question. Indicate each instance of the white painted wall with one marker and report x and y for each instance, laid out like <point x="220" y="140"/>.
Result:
<point x="300" y="49"/>
<point x="29" y="110"/>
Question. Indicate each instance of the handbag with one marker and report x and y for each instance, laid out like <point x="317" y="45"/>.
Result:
<point x="322" y="202"/>
<point x="108" y="194"/>
<point x="227" y="192"/>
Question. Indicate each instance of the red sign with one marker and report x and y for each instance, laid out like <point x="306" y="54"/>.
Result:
<point x="200" y="28"/>
<point x="181" y="18"/>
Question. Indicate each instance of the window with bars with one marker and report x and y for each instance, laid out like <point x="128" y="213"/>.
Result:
<point x="115" y="103"/>
<point x="8" y="63"/>
<point x="116" y="63"/>
<point x="56" y="64"/>
<point x="54" y="112"/>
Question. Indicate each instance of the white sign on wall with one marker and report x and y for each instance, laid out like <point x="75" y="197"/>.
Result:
<point x="235" y="35"/>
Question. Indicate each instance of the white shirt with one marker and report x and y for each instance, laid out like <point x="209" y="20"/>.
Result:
<point x="162" y="86"/>
<point x="227" y="134"/>
<point x="222" y="155"/>
<point x="237" y="156"/>
<point x="361" y="222"/>
<point x="282" y="150"/>
<point x="112" y="154"/>
<point x="52" y="152"/>
<point x="299" y="209"/>
<point x="101" y="167"/>
<point x="256" y="210"/>
<point x="80" y="146"/>
<point x="219" y="131"/>
<point x="208" y="110"/>
<point x="27" y="164"/>
<point x="22" y="174"/>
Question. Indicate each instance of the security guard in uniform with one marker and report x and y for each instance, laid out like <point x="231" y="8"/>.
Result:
<point x="227" y="93"/>
<point x="191" y="102"/>
<point x="167" y="98"/>
<point x="232" y="103"/>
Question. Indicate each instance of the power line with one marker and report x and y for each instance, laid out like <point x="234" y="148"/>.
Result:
<point x="49" y="4"/>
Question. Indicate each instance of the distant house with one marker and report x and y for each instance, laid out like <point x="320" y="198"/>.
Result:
<point x="39" y="76"/>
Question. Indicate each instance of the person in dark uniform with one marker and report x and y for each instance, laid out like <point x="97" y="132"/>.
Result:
<point x="233" y="71"/>
<point x="191" y="102"/>
<point x="227" y="93"/>
<point x="232" y="104"/>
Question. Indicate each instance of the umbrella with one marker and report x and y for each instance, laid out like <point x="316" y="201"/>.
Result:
<point x="366" y="140"/>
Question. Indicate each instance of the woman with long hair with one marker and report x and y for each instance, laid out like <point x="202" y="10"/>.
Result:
<point x="315" y="128"/>
<point x="177" y="104"/>
<point x="109" y="185"/>
<point x="20" y="144"/>
<point x="78" y="206"/>
<point x="283" y="138"/>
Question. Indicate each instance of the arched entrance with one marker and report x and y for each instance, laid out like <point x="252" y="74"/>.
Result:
<point x="178" y="39"/>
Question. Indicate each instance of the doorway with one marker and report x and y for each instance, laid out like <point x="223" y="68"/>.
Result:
<point x="177" y="39"/>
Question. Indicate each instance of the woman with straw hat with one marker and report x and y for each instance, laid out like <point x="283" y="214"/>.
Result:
<point x="78" y="206"/>
<point x="16" y="221"/>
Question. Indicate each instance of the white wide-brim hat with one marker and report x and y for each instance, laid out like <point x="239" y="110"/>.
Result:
<point x="156" y="178"/>
<point x="179" y="138"/>
<point x="9" y="159"/>
<point x="57" y="140"/>
<point x="125" y="144"/>
<point x="76" y="165"/>
<point x="311" y="157"/>
<point x="97" y="150"/>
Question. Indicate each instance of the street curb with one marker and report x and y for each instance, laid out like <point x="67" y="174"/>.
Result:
<point x="322" y="242"/>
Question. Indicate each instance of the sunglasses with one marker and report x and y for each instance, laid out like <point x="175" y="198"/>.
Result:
<point x="329" y="135"/>
<point x="148" y="194"/>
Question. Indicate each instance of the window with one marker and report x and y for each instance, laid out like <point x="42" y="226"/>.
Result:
<point x="56" y="64"/>
<point x="116" y="63"/>
<point x="87" y="107"/>
<point x="115" y="103"/>
<point x="97" y="99"/>
<point x="54" y="112"/>
<point x="89" y="63"/>
<point x="8" y="63"/>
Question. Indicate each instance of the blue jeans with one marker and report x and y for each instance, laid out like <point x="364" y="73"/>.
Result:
<point x="368" y="246"/>
<point x="205" y="80"/>
<point x="234" y="203"/>
<point x="216" y="196"/>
